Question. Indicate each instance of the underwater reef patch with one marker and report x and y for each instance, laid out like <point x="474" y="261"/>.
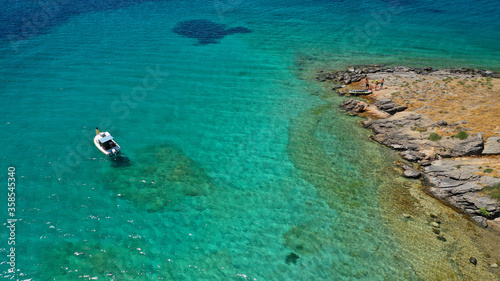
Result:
<point x="303" y="240"/>
<point x="207" y="32"/>
<point x="159" y="177"/>
<point x="291" y="258"/>
<point x="128" y="259"/>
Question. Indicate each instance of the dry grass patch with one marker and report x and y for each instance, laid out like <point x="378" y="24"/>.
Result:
<point x="476" y="101"/>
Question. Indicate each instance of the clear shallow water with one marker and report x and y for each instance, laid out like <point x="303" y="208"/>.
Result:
<point x="235" y="163"/>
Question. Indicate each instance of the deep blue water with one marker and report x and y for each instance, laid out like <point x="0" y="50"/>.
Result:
<point x="232" y="161"/>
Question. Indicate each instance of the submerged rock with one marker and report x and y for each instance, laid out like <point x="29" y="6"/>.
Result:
<point x="434" y="224"/>
<point x="441" y="238"/>
<point x="303" y="240"/>
<point x="291" y="258"/>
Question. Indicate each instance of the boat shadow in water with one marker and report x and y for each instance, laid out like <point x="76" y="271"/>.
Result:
<point x="120" y="161"/>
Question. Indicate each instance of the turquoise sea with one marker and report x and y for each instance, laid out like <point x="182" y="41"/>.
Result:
<point x="234" y="166"/>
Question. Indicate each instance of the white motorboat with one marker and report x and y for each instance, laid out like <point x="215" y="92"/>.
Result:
<point x="360" y="92"/>
<point x="104" y="141"/>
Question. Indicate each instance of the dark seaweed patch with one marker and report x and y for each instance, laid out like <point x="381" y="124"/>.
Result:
<point x="291" y="258"/>
<point x="207" y="32"/>
<point x="161" y="176"/>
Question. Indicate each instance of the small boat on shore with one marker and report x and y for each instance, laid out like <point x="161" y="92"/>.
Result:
<point x="106" y="144"/>
<point x="360" y="92"/>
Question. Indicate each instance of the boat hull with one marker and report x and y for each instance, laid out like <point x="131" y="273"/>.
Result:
<point x="360" y="92"/>
<point x="109" y="148"/>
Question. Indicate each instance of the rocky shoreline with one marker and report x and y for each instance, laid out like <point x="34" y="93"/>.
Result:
<point x="455" y="164"/>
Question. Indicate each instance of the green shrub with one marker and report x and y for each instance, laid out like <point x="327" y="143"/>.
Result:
<point x="434" y="137"/>
<point x="461" y="135"/>
<point x="493" y="191"/>
<point x="484" y="212"/>
<point x="489" y="170"/>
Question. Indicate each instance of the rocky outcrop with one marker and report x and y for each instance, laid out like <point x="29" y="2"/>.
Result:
<point x="434" y="157"/>
<point x="354" y="106"/>
<point x="413" y="133"/>
<point x="357" y="106"/>
<point x="447" y="179"/>
<point x="390" y="107"/>
<point x="356" y="73"/>
<point x="460" y="186"/>
<point x="408" y="170"/>
<point x="340" y="76"/>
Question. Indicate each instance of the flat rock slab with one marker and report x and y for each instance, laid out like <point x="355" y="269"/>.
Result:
<point x="461" y="186"/>
<point x="489" y="181"/>
<point x="492" y="146"/>
<point x="412" y="174"/>
<point x="411" y="131"/>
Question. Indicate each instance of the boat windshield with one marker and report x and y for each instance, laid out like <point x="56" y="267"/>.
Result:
<point x="106" y="139"/>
